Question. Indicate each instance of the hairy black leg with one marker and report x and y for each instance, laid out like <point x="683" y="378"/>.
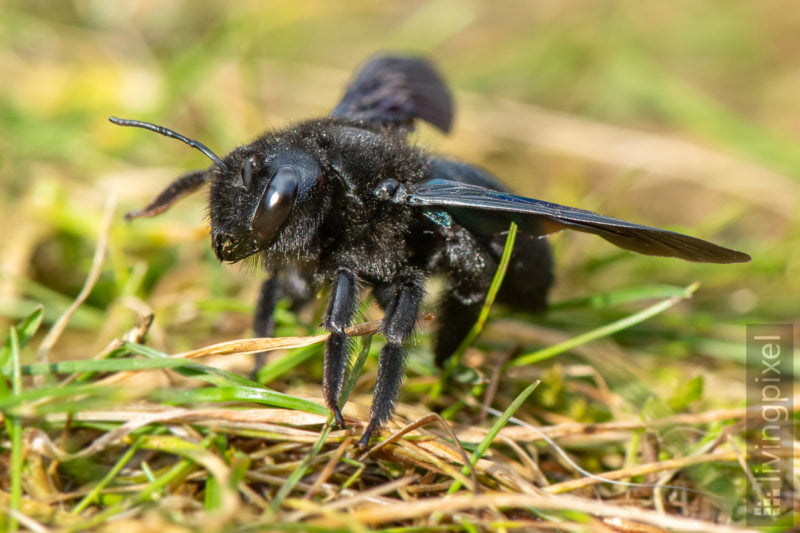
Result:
<point x="529" y="276"/>
<point x="384" y="294"/>
<point x="457" y="315"/>
<point x="290" y="283"/>
<point x="264" y="319"/>
<point x="298" y="286"/>
<point x="525" y="286"/>
<point x="184" y="185"/>
<point x="268" y="296"/>
<point x="340" y="311"/>
<point x="399" y="318"/>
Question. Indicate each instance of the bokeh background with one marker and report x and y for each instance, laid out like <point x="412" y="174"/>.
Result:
<point x="677" y="114"/>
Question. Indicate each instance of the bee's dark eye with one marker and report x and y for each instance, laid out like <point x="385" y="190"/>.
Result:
<point x="247" y="173"/>
<point x="276" y="203"/>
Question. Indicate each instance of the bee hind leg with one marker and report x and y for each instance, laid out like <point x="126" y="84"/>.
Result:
<point x="401" y="310"/>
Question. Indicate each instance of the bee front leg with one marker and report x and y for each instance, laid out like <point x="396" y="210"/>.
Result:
<point x="183" y="186"/>
<point x="400" y="317"/>
<point x="341" y="308"/>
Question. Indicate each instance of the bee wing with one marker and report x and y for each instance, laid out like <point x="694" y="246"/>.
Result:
<point x="396" y="90"/>
<point x="485" y="210"/>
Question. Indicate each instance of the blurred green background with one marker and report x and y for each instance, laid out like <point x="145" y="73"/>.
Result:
<point x="679" y="114"/>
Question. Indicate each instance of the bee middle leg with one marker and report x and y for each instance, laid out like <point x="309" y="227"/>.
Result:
<point x="401" y="304"/>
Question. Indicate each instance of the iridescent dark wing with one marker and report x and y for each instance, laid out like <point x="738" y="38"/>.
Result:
<point x="395" y="90"/>
<point x="485" y="210"/>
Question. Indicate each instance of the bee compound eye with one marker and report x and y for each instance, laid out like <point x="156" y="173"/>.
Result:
<point x="276" y="203"/>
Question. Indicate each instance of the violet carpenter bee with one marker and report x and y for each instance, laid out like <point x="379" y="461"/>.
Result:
<point x="345" y="201"/>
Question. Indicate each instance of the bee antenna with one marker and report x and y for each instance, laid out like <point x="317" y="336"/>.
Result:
<point x="169" y="133"/>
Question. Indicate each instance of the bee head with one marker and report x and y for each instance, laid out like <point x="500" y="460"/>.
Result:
<point x="254" y="192"/>
<point x="253" y="200"/>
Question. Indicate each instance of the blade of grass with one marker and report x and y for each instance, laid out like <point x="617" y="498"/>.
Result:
<point x="192" y="455"/>
<point x="86" y="317"/>
<point x="92" y="496"/>
<point x="215" y="376"/>
<point x="179" y="470"/>
<point x="622" y="296"/>
<point x="103" y="365"/>
<point x="9" y="402"/>
<point x="203" y="456"/>
<point x="242" y="389"/>
<point x="604" y="331"/>
<point x="165" y="479"/>
<point x="298" y="474"/>
<point x="239" y="394"/>
<point x="26" y="329"/>
<point x="232" y="387"/>
<point x="212" y="495"/>
<point x="14" y="427"/>
<point x="282" y="365"/>
<point x="354" y="372"/>
<point x="499" y="424"/>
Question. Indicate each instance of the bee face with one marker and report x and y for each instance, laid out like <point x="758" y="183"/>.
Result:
<point x="251" y="203"/>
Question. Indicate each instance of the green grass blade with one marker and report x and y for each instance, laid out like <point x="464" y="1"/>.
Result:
<point x="92" y="496"/>
<point x="354" y="372"/>
<point x="350" y="382"/>
<point x="295" y="477"/>
<point x="144" y="351"/>
<point x="54" y="392"/>
<point x="179" y="470"/>
<point x="282" y="365"/>
<point x="215" y="376"/>
<point x="239" y="394"/>
<point x="499" y="424"/>
<point x="604" y="331"/>
<point x="86" y="317"/>
<point x="622" y="296"/>
<point x="25" y="330"/>
<point x="212" y="497"/>
<point x="103" y="365"/>
<point x="14" y="428"/>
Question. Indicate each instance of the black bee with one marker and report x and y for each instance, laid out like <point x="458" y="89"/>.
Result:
<point x="346" y="201"/>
